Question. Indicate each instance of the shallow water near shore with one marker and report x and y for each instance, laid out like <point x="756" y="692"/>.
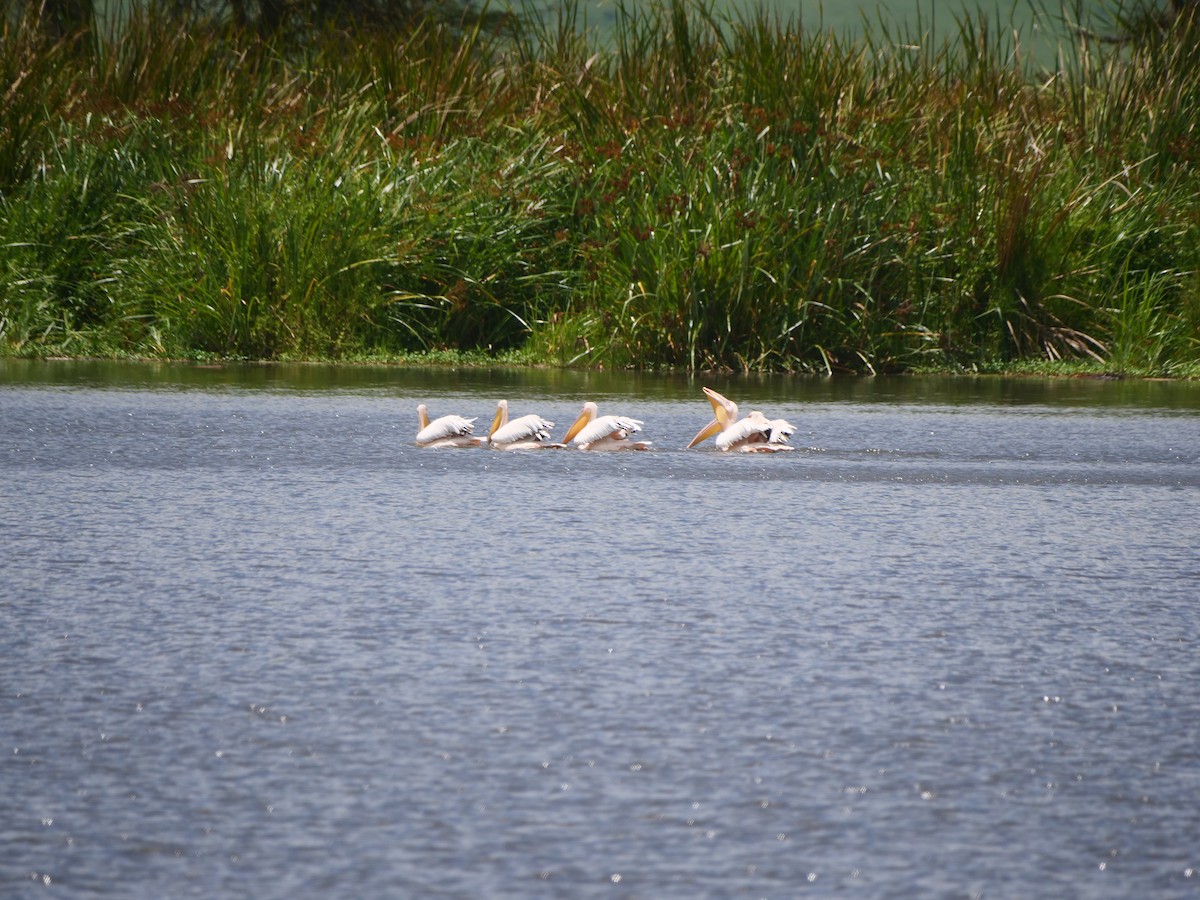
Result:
<point x="256" y="643"/>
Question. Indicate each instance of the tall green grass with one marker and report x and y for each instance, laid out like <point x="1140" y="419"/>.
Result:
<point x="698" y="192"/>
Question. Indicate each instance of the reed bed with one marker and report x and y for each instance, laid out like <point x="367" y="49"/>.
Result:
<point x="694" y="192"/>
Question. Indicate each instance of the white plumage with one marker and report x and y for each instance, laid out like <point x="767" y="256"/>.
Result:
<point x="595" y="432"/>
<point x="446" y="431"/>
<point x="753" y="434"/>
<point x="525" y="433"/>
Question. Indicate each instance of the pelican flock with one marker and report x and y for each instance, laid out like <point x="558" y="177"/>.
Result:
<point x="752" y="433"/>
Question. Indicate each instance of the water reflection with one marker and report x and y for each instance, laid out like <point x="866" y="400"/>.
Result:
<point x="579" y="386"/>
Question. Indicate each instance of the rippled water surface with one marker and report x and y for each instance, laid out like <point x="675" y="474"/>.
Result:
<point x="255" y="643"/>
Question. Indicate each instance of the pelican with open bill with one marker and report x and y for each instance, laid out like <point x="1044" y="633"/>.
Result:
<point x="446" y="431"/>
<point x="592" y="431"/>
<point x="526" y="433"/>
<point x="754" y="433"/>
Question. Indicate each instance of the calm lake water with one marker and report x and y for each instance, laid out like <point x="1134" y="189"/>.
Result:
<point x="257" y="644"/>
<point x="1040" y="28"/>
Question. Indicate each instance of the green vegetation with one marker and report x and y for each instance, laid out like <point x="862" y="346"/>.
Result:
<point x="700" y="193"/>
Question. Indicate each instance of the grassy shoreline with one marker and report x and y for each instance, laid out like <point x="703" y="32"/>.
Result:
<point x="482" y="360"/>
<point x="703" y="195"/>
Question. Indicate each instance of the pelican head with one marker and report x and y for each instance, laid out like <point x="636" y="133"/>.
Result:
<point x="500" y="419"/>
<point x="725" y="412"/>
<point x="586" y="415"/>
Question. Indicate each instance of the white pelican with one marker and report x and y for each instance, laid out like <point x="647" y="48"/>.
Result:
<point x="526" y="433"/>
<point x="447" y="431"/>
<point x="753" y="434"/>
<point x="592" y="432"/>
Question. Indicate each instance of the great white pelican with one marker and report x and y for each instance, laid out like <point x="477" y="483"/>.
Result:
<point x="754" y="433"/>
<point x="447" y="431"/>
<point x="526" y="433"/>
<point x="595" y="432"/>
